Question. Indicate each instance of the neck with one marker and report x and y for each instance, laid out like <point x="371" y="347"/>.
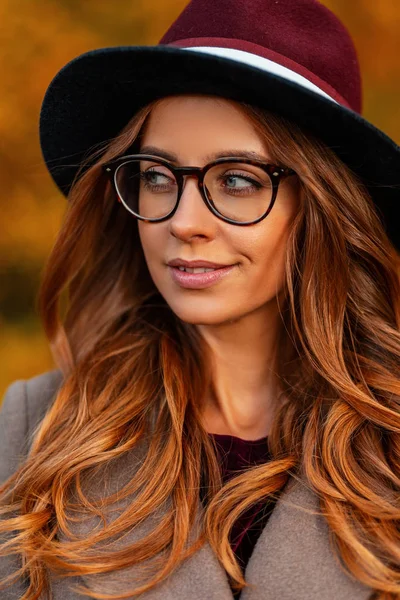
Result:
<point x="245" y="385"/>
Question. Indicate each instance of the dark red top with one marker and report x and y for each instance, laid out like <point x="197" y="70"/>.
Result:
<point x="235" y="455"/>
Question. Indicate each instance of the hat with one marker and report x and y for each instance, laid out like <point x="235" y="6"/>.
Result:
<point x="292" y="57"/>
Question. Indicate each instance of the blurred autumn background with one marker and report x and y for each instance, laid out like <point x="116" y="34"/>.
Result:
<point x="38" y="37"/>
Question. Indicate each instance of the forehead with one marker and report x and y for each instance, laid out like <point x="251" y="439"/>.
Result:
<point x="197" y="127"/>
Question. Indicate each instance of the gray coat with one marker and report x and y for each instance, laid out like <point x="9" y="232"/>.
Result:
<point x="292" y="559"/>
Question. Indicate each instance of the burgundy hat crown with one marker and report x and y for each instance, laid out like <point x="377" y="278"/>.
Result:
<point x="301" y="40"/>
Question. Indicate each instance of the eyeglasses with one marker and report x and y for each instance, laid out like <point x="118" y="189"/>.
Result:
<point x="237" y="190"/>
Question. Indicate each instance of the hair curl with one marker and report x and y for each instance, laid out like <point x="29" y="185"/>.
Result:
<point x="120" y="348"/>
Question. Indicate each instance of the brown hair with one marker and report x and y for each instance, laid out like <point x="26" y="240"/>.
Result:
<point x="120" y="348"/>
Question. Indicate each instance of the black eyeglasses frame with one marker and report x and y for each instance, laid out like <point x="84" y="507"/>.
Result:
<point x="276" y="174"/>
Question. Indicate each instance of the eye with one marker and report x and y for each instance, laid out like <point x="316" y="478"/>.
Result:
<point x="155" y="180"/>
<point x="237" y="180"/>
<point x="238" y="183"/>
<point x="154" y="177"/>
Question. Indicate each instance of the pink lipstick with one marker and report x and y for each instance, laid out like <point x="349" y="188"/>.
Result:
<point x="198" y="281"/>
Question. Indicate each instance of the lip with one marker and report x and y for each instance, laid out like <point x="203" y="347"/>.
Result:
<point x="179" y="262"/>
<point x="198" y="281"/>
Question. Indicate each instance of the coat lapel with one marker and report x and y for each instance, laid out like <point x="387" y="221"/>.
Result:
<point x="292" y="559"/>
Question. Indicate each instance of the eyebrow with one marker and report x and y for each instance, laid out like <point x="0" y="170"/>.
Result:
<point x="240" y="153"/>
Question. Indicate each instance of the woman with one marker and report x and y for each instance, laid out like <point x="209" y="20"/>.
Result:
<point x="233" y="432"/>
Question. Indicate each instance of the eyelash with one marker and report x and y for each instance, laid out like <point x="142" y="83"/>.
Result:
<point x="241" y="176"/>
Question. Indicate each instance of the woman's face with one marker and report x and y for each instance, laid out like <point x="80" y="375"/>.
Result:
<point x="192" y="127"/>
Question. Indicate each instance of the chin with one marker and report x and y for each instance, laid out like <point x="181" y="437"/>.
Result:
<point x="192" y="313"/>
<point x="194" y="318"/>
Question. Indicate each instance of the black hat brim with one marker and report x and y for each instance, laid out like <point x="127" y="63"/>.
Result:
<point x="93" y="97"/>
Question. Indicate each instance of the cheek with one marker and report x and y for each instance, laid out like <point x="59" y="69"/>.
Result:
<point x="144" y="234"/>
<point x="152" y="248"/>
<point x="151" y="241"/>
<point x="265" y="268"/>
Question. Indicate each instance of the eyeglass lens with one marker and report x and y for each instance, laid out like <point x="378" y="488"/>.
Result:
<point x="240" y="192"/>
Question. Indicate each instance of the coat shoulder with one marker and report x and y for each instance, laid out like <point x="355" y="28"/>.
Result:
<point x="23" y="407"/>
<point x="41" y="391"/>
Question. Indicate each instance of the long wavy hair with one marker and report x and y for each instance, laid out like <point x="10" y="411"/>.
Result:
<point x="131" y="366"/>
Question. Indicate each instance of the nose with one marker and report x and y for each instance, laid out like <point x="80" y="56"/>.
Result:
<point x="192" y="216"/>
